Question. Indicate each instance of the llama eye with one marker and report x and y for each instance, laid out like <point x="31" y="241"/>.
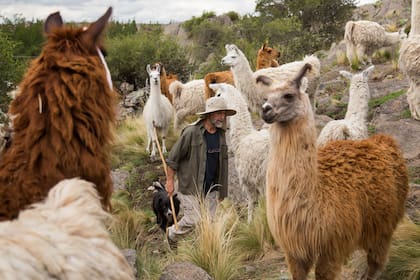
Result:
<point x="289" y="97"/>
<point x="269" y="51"/>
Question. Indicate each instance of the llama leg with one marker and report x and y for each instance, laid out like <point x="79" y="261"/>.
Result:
<point x="327" y="268"/>
<point x="360" y="51"/>
<point x="298" y="268"/>
<point x="153" y="153"/>
<point x="250" y="207"/>
<point x="163" y="145"/>
<point x="376" y="259"/>
<point x="149" y="142"/>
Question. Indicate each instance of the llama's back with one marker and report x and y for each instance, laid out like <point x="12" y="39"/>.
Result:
<point x="363" y="32"/>
<point x="188" y="99"/>
<point x="371" y="174"/>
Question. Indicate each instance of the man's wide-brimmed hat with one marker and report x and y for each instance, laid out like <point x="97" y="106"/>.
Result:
<point x="215" y="104"/>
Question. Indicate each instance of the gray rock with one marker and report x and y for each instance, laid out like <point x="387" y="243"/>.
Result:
<point x="184" y="271"/>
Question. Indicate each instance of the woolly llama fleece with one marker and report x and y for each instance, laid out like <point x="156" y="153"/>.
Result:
<point x="63" y="237"/>
<point x="323" y="204"/>
<point x="62" y="118"/>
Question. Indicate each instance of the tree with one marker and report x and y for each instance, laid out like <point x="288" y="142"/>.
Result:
<point x="326" y="18"/>
<point x="8" y="69"/>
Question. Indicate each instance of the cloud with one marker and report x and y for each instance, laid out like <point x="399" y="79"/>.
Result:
<point x="142" y="11"/>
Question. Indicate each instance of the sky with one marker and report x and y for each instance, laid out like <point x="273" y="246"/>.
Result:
<point x="142" y="11"/>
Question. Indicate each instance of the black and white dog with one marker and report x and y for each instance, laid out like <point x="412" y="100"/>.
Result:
<point x="162" y="206"/>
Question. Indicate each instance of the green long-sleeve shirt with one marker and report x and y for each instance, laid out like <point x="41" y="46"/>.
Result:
<point x="188" y="158"/>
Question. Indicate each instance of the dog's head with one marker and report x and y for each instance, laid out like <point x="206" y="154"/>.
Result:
<point x="162" y="207"/>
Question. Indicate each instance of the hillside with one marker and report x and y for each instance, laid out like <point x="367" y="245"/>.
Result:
<point x="388" y="114"/>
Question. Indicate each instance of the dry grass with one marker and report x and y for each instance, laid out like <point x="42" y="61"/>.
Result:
<point x="404" y="255"/>
<point x="212" y="246"/>
<point x="255" y="238"/>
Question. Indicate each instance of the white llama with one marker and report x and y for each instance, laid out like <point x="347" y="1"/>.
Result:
<point x="188" y="99"/>
<point x="245" y="79"/>
<point x="364" y="37"/>
<point x="354" y="124"/>
<point x="157" y="112"/>
<point x="409" y="62"/>
<point x="249" y="146"/>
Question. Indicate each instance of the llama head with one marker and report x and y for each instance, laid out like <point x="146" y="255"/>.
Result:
<point x="359" y="81"/>
<point x="154" y="74"/>
<point x="232" y="57"/>
<point x="268" y="53"/>
<point x="89" y="37"/>
<point x="284" y="101"/>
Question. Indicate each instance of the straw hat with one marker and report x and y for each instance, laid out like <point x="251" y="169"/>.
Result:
<point x="215" y="104"/>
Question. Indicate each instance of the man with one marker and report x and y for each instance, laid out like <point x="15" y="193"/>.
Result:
<point x="199" y="159"/>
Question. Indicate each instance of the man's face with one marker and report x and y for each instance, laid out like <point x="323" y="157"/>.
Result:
<point x="218" y="118"/>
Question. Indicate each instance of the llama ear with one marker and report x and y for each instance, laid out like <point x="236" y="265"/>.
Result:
<point x="53" y="21"/>
<point x="95" y="30"/>
<point x="303" y="84"/>
<point x="368" y="70"/>
<point x="301" y="74"/>
<point x="148" y="69"/>
<point x="264" y="80"/>
<point x="346" y="74"/>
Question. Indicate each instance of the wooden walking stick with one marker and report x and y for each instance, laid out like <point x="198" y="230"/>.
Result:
<point x="165" y="168"/>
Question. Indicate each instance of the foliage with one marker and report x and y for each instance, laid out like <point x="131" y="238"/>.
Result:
<point x="28" y="35"/>
<point x="321" y="18"/>
<point x="118" y="29"/>
<point x="10" y="70"/>
<point x="195" y="21"/>
<point x="129" y="55"/>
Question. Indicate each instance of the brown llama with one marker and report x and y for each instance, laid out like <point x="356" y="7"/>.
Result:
<point x="216" y="78"/>
<point x="267" y="57"/>
<point x="323" y="204"/>
<point x="62" y="119"/>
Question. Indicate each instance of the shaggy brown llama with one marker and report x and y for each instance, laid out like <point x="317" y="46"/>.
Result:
<point x="267" y="57"/>
<point x="216" y="78"/>
<point x="324" y="204"/>
<point x="62" y="119"/>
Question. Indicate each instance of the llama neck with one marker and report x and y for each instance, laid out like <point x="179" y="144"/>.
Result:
<point x="240" y="124"/>
<point x="415" y="18"/>
<point x="155" y="92"/>
<point x="292" y="167"/>
<point x="391" y="38"/>
<point x="358" y="107"/>
<point x="244" y="81"/>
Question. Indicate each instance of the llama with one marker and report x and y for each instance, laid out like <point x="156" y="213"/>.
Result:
<point x="188" y="99"/>
<point x="354" y="124"/>
<point x="249" y="146"/>
<point x="363" y="38"/>
<point x="324" y="204"/>
<point x="245" y="79"/>
<point x="164" y="81"/>
<point x="267" y="57"/>
<point x="63" y="237"/>
<point x="216" y="77"/>
<point x="409" y="63"/>
<point x="62" y="118"/>
<point x="157" y="112"/>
